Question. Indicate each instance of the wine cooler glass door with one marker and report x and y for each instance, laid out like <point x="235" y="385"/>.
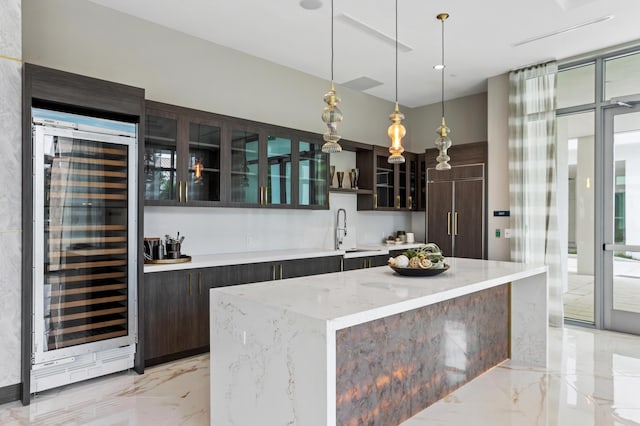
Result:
<point x="84" y="242"/>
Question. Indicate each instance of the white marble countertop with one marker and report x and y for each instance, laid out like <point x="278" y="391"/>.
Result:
<point x="222" y="259"/>
<point x="354" y="297"/>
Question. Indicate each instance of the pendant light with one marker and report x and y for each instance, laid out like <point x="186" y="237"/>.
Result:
<point x="331" y="114"/>
<point x="396" y="130"/>
<point x="443" y="142"/>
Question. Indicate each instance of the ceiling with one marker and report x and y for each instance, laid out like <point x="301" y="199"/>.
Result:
<point x="481" y="37"/>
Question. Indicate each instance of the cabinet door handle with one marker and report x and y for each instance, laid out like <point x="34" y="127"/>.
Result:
<point x="273" y="272"/>
<point x="179" y="191"/>
<point x="341" y="264"/>
<point x="281" y="271"/>
<point x="375" y="201"/>
<point x="190" y="284"/>
<point x="186" y="191"/>
<point x="410" y="202"/>
<point x="397" y="201"/>
<point x="200" y="282"/>
<point x="370" y="263"/>
<point x="448" y="223"/>
<point x="455" y="225"/>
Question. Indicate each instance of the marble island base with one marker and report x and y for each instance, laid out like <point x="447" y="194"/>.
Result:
<point x="368" y="346"/>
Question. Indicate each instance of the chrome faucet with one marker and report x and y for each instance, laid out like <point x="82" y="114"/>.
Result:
<point x="339" y="237"/>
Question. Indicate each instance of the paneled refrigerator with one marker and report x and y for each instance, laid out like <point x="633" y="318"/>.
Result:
<point x="84" y="247"/>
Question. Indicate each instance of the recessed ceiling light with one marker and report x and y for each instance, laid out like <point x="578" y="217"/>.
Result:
<point x="310" y="4"/>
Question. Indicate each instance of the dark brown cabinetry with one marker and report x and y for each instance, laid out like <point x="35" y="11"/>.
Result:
<point x="182" y="160"/>
<point x="394" y="185"/>
<point x="455" y="203"/>
<point x="195" y="158"/>
<point x="365" y="262"/>
<point x="176" y="305"/>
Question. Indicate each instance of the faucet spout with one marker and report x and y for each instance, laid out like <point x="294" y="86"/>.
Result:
<point x="341" y="232"/>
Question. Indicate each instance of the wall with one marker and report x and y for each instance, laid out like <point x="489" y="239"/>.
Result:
<point x="183" y="70"/>
<point x="466" y="117"/>
<point x="10" y="191"/>
<point x="498" y="169"/>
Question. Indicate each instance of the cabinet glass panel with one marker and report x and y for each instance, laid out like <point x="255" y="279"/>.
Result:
<point x="385" y="177"/>
<point x="413" y="184"/>
<point x="279" y="172"/>
<point x="422" y="165"/>
<point x="244" y="166"/>
<point x="160" y="158"/>
<point x="203" y="173"/>
<point x="85" y="241"/>
<point x="312" y="169"/>
<point x="402" y="198"/>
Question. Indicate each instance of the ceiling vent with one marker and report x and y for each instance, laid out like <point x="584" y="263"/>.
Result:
<point x="362" y="83"/>
<point x="369" y="30"/>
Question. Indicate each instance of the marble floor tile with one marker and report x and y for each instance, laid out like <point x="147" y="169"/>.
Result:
<point x="593" y="379"/>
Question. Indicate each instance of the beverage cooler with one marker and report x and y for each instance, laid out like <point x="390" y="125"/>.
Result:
<point x="84" y="248"/>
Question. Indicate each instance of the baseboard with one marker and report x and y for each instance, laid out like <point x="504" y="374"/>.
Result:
<point x="175" y="356"/>
<point x="10" y="393"/>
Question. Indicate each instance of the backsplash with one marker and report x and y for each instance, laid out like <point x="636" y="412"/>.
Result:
<point x="229" y="230"/>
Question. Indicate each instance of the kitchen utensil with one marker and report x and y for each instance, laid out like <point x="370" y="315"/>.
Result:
<point x="151" y="247"/>
<point x="173" y="249"/>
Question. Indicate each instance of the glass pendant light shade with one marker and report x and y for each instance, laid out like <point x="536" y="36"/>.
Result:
<point x="443" y="142"/>
<point x="396" y="132"/>
<point x="331" y="115"/>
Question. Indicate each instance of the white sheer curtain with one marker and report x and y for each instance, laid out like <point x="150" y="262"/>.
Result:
<point x="532" y="176"/>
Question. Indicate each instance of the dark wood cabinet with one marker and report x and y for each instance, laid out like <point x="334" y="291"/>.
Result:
<point x="195" y="158"/>
<point x="182" y="160"/>
<point x="456" y="212"/>
<point x="351" y="264"/>
<point x="173" y="309"/>
<point x="393" y="185"/>
<point x="176" y="303"/>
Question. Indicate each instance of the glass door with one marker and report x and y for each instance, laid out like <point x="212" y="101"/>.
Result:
<point x="312" y="174"/>
<point x="622" y="227"/>
<point x="279" y="156"/>
<point x="203" y="170"/>
<point x="84" y="238"/>
<point x="160" y="158"/>
<point x="245" y="184"/>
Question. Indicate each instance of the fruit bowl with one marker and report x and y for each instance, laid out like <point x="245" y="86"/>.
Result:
<point x="419" y="272"/>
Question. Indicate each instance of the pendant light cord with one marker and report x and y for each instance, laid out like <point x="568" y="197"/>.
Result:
<point x="396" y="51"/>
<point x="442" y="72"/>
<point x="331" y="40"/>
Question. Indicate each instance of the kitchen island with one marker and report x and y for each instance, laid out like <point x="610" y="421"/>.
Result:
<point x="368" y="346"/>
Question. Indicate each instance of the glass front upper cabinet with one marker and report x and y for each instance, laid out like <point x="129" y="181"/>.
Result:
<point x="203" y="170"/>
<point x="277" y="190"/>
<point x="245" y="183"/>
<point x="312" y="175"/>
<point x="384" y="196"/>
<point x="160" y="158"/>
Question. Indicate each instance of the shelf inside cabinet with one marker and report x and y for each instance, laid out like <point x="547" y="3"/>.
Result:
<point x="351" y="191"/>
